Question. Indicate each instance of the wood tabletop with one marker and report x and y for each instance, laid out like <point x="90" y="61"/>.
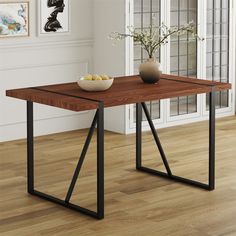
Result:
<point x="125" y="90"/>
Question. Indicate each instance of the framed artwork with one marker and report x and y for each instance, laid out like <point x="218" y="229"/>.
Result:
<point x="54" y="17"/>
<point x="14" y="19"/>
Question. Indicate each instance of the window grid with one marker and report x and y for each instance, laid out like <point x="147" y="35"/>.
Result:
<point x="146" y="9"/>
<point x="218" y="43"/>
<point x="187" y="104"/>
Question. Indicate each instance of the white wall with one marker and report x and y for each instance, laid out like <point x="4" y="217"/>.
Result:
<point x="36" y="61"/>
<point x="110" y="16"/>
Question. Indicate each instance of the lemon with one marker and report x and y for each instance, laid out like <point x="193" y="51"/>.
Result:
<point x="97" y="77"/>
<point x="105" y="77"/>
<point x="88" y="77"/>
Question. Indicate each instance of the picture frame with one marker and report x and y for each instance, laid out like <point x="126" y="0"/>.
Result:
<point x="59" y="25"/>
<point x="14" y="19"/>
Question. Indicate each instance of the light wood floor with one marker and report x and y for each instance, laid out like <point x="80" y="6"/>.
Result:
<point x="135" y="203"/>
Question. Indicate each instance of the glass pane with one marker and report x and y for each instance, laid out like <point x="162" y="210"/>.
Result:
<point x="192" y="101"/>
<point x="217" y="68"/>
<point x="154" y="109"/>
<point x="183" y="53"/>
<point x="137" y="6"/>
<point x="174" y="107"/>
<point x="146" y="12"/>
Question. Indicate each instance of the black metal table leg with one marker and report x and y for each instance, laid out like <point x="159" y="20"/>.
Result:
<point x="99" y="120"/>
<point x="211" y="185"/>
<point x="138" y="135"/>
<point x="212" y="141"/>
<point x="100" y="162"/>
<point x="30" y="148"/>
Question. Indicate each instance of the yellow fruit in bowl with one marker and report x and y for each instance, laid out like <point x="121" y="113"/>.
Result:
<point x="97" y="77"/>
<point x="88" y="77"/>
<point x="95" y="83"/>
<point x="105" y="77"/>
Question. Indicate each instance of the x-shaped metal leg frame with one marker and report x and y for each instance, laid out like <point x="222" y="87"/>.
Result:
<point x="169" y="175"/>
<point x="99" y="121"/>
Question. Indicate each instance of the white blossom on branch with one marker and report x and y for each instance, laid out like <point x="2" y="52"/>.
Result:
<point x="152" y="37"/>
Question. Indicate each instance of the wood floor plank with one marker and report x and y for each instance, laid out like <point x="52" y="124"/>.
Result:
<point x="135" y="203"/>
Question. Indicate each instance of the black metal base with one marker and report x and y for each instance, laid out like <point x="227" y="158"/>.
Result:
<point x="65" y="204"/>
<point x="211" y="184"/>
<point x="99" y="121"/>
<point x="175" y="178"/>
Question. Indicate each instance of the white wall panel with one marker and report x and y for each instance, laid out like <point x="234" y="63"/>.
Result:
<point x="34" y="61"/>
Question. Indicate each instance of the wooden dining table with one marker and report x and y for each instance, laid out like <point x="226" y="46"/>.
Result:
<point x="125" y="90"/>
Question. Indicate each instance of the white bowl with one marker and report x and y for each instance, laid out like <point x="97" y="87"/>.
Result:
<point x="95" y="85"/>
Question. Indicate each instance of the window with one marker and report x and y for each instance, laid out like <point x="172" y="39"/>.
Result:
<point x="183" y="54"/>
<point x="217" y="67"/>
<point x="146" y="12"/>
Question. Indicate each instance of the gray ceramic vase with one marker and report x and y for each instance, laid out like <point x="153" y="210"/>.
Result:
<point x="150" y="72"/>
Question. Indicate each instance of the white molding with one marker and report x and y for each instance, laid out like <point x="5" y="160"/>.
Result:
<point x="129" y="67"/>
<point x="54" y="123"/>
<point x="47" y="44"/>
<point x="17" y="131"/>
<point x="46" y="64"/>
<point x="129" y="45"/>
<point x="233" y="55"/>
